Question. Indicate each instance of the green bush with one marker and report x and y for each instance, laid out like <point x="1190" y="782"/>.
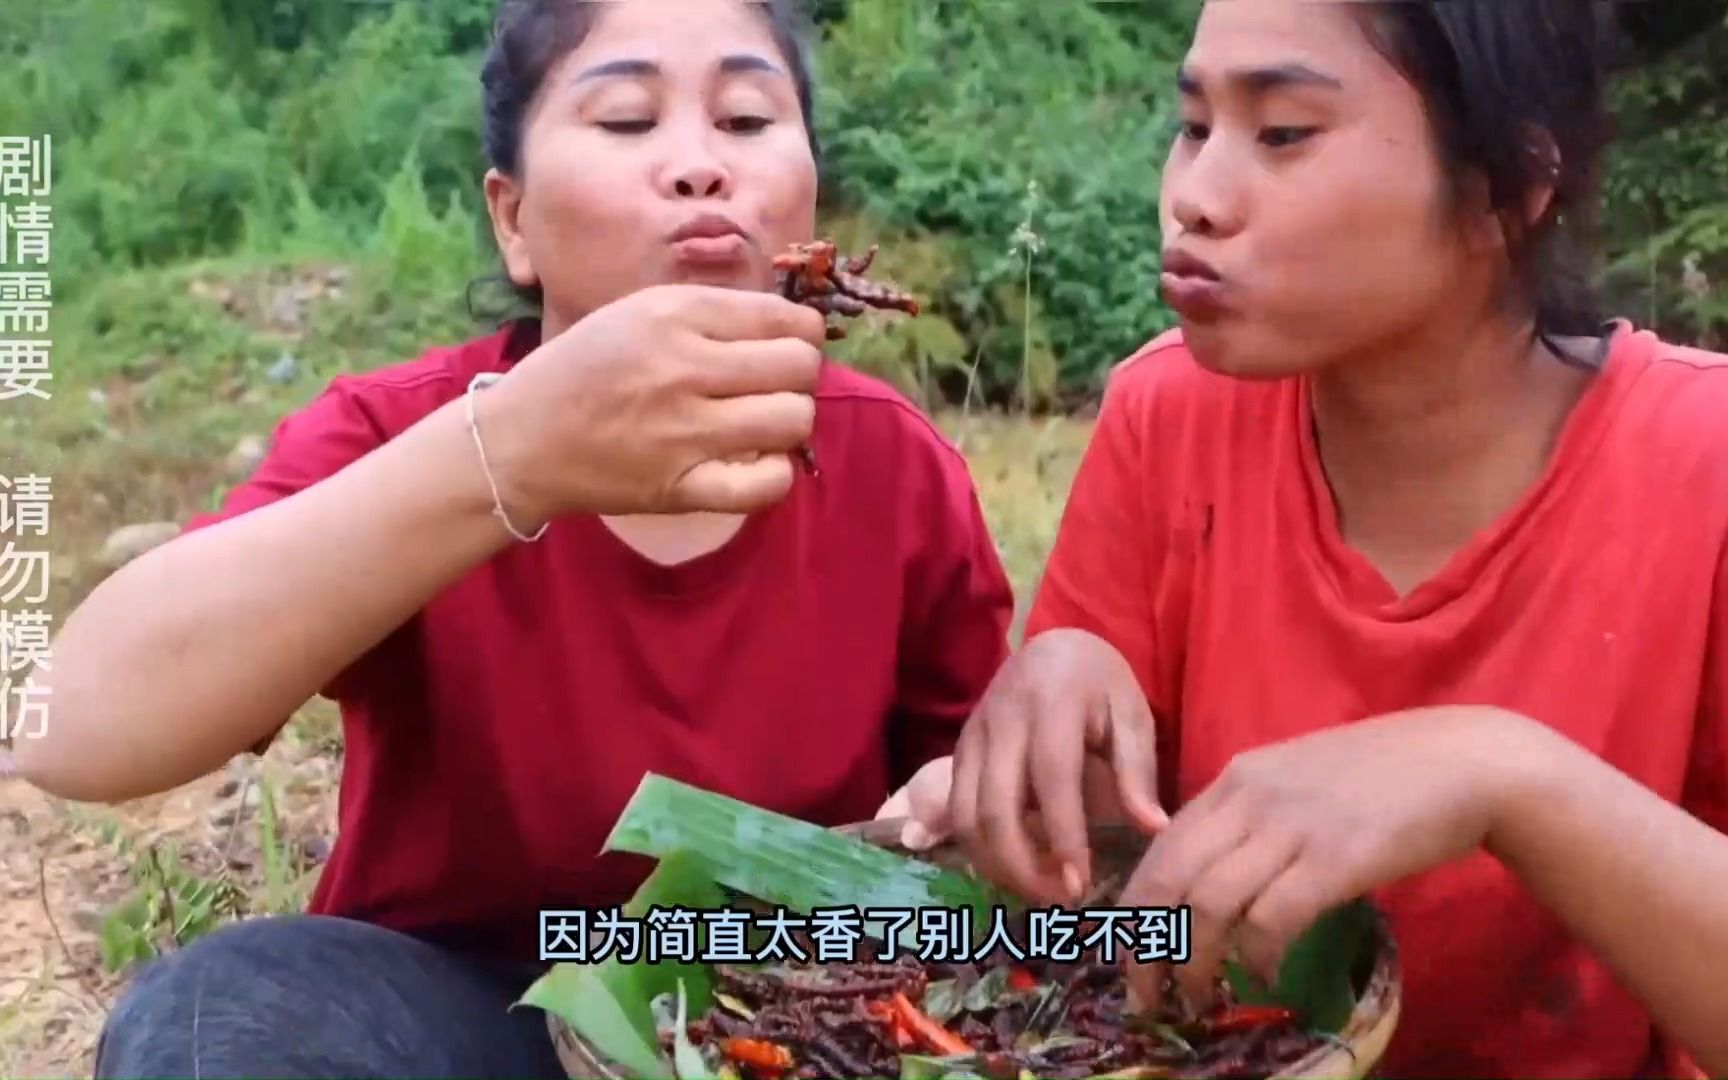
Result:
<point x="1667" y="192"/>
<point x="1005" y="153"/>
<point x="943" y="118"/>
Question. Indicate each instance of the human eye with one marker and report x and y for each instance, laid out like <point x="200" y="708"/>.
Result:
<point x="1193" y="130"/>
<point x="627" y="127"/>
<point x="1280" y="137"/>
<point x="745" y="125"/>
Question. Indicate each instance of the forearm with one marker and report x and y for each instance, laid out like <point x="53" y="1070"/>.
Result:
<point x="1634" y="877"/>
<point x="198" y="649"/>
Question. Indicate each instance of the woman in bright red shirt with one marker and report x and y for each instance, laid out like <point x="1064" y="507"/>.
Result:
<point x="1396" y="570"/>
<point x="693" y="607"/>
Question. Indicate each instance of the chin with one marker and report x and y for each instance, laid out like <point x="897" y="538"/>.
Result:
<point x="724" y="276"/>
<point x="1238" y="352"/>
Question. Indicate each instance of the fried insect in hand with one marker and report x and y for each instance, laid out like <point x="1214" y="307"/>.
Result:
<point x="817" y="276"/>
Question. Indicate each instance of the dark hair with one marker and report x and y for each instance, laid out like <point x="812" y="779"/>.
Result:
<point x="1516" y="92"/>
<point x="530" y="37"/>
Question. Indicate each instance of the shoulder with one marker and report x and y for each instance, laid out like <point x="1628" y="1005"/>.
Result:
<point x="391" y="398"/>
<point x="1161" y="393"/>
<point x="356" y="413"/>
<point x="1163" y="376"/>
<point x="881" y="427"/>
<point x="1664" y="368"/>
<point x="1668" y="400"/>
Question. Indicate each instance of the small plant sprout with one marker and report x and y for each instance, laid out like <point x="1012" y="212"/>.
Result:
<point x="1026" y="243"/>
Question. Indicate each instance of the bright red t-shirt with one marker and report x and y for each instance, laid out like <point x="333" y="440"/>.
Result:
<point x="1201" y="539"/>
<point x="836" y="643"/>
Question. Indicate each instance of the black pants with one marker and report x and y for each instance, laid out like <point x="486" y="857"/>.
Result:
<point x="312" y="996"/>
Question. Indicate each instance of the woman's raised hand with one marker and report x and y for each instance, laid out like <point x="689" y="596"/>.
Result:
<point x="1062" y="738"/>
<point x="674" y="398"/>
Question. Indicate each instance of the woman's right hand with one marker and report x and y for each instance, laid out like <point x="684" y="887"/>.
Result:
<point x="674" y="398"/>
<point x="1062" y="737"/>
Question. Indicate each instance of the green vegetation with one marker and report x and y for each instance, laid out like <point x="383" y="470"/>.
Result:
<point x="347" y="131"/>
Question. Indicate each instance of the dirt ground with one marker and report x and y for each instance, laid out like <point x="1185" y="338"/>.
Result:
<point x="66" y="865"/>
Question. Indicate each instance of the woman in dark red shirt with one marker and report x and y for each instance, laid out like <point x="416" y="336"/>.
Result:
<point x="1396" y="570"/>
<point x="694" y="605"/>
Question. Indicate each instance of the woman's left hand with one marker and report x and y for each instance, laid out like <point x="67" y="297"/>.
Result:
<point x="1295" y="828"/>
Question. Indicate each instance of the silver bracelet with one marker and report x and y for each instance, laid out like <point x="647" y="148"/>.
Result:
<point x="480" y="382"/>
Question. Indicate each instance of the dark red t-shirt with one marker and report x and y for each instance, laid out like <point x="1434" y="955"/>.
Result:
<point x="835" y="644"/>
<point x="1201" y="539"/>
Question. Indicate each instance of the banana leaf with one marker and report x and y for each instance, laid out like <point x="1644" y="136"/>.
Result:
<point x="610" y="1003"/>
<point x="708" y="844"/>
<point x="778" y="859"/>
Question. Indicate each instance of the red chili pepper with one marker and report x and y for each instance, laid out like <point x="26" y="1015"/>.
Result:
<point x="925" y="1030"/>
<point x="757" y="1053"/>
<point x="1020" y="978"/>
<point x="1249" y="1018"/>
<point x="896" y="1030"/>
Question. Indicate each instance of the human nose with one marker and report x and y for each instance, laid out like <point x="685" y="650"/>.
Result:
<point x="693" y="169"/>
<point x="1205" y="193"/>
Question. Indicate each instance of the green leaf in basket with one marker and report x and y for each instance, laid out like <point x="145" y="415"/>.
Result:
<point x="779" y="859"/>
<point x="942" y="1000"/>
<point x="988" y="991"/>
<point x="925" y="1067"/>
<point x="611" y="1003"/>
<point x="1315" y="975"/>
<point x="579" y="994"/>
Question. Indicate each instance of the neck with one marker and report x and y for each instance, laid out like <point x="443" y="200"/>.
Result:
<point x="1429" y="440"/>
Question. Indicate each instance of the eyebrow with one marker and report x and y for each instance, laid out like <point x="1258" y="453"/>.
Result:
<point x="1260" y="81"/>
<point x="647" y="69"/>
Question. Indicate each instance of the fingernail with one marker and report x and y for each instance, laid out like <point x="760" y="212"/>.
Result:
<point x="1073" y="881"/>
<point x="1153" y="815"/>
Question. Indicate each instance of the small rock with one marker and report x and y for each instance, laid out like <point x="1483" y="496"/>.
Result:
<point x="284" y="369"/>
<point x="246" y="455"/>
<point x="130" y="541"/>
<point x="285" y="310"/>
<point x="317" y="849"/>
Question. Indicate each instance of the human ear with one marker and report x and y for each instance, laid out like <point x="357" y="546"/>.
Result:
<point x="1545" y="154"/>
<point x="504" y="204"/>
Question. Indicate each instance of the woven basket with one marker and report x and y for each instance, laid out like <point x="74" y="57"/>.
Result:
<point x="1361" y="1043"/>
